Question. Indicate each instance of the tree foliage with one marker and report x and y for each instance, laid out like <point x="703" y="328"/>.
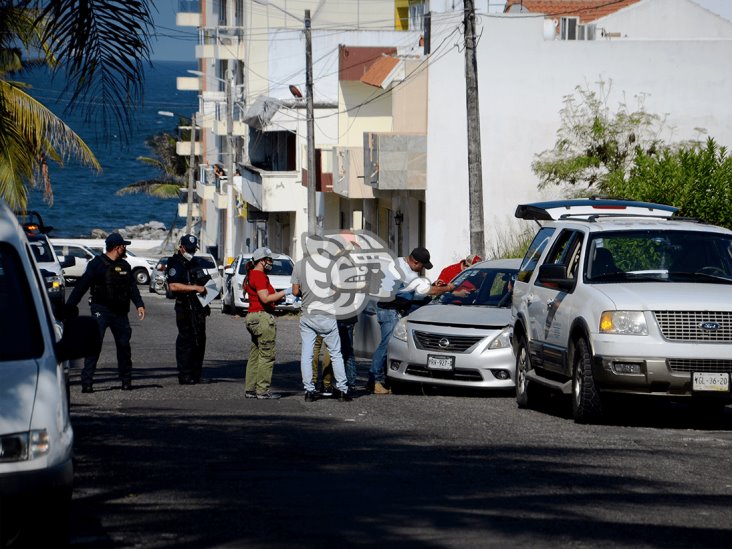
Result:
<point x="696" y="178"/>
<point x="100" y="46"/>
<point x="172" y="167"/>
<point x="593" y="143"/>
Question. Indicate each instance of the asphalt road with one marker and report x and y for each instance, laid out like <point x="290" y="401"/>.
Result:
<point x="167" y="465"/>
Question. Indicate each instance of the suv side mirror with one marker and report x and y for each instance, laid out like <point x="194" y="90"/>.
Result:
<point x="68" y="261"/>
<point x="555" y="276"/>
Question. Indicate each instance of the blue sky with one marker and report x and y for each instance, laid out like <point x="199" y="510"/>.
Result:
<point x="178" y="43"/>
<point x="173" y="43"/>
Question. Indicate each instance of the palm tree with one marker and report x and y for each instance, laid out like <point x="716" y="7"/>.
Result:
<point x="173" y="169"/>
<point x="101" y="48"/>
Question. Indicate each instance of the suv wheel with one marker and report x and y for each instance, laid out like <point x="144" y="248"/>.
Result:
<point x="523" y="365"/>
<point x="141" y="276"/>
<point x="586" y="402"/>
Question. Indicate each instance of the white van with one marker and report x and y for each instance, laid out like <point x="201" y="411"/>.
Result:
<point x="36" y="438"/>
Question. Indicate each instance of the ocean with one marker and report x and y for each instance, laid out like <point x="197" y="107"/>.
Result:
<point x="85" y="200"/>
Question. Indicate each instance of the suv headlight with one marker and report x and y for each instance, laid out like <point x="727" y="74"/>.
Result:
<point x="502" y="340"/>
<point x="400" y="330"/>
<point x="623" y="322"/>
<point x="24" y="446"/>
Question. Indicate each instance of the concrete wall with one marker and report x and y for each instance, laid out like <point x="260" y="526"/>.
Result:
<point x="523" y="80"/>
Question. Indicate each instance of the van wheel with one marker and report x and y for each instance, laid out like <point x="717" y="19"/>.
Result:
<point x="586" y="401"/>
<point x="141" y="276"/>
<point x="523" y="366"/>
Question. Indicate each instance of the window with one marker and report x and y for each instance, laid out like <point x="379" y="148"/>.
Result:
<point x="568" y="28"/>
<point x="20" y="330"/>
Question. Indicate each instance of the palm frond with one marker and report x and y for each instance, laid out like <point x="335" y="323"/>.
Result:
<point x="102" y="46"/>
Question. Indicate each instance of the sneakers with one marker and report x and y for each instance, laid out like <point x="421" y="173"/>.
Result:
<point x="327" y="391"/>
<point x="268" y="396"/>
<point x="379" y="389"/>
<point x="87" y="389"/>
<point x="345" y="396"/>
<point x="310" y="396"/>
<point x="250" y="394"/>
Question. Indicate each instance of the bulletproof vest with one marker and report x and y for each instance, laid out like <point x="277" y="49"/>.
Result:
<point x="113" y="290"/>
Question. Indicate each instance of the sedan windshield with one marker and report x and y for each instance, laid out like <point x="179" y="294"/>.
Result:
<point x="658" y="255"/>
<point x="476" y="286"/>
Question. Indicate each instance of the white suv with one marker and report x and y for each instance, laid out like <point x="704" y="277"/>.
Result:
<point x="36" y="438"/>
<point x="621" y="297"/>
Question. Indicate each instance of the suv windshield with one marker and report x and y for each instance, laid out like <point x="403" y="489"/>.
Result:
<point x="41" y="250"/>
<point x="653" y="255"/>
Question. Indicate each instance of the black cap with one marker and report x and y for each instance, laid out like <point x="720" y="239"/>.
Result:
<point x="189" y="243"/>
<point x="423" y="256"/>
<point x="114" y="240"/>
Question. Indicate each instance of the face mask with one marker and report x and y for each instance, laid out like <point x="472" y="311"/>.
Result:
<point x="124" y="253"/>
<point x="188" y="256"/>
<point x="267" y="265"/>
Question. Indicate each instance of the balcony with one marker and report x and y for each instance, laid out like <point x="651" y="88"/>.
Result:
<point x="188" y="83"/>
<point x="183" y="148"/>
<point x="220" y="43"/>
<point x="189" y="13"/>
<point x="395" y="162"/>
<point x="271" y="191"/>
<point x="205" y="191"/>
<point x="221" y="200"/>
<point x="239" y="128"/>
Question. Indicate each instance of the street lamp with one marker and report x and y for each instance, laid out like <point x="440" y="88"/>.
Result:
<point x="191" y="168"/>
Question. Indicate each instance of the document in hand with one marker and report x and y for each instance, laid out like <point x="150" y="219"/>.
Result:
<point x="212" y="290"/>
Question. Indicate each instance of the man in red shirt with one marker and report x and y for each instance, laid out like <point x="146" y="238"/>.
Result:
<point x="261" y="325"/>
<point x="451" y="271"/>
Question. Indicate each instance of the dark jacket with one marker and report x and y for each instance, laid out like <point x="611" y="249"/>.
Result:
<point x="112" y="285"/>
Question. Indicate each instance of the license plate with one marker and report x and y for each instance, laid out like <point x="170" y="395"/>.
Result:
<point x="440" y="362"/>
<point x="707" y="381"/>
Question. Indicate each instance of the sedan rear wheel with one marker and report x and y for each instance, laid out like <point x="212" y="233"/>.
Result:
<point x="586" y="402"/>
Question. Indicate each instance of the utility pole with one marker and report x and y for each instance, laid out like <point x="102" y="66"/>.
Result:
<point x="191" y="175"/>
<point x="309" y="114"/>
<point x="231" y="170"/>
<point x="475" y="167"/>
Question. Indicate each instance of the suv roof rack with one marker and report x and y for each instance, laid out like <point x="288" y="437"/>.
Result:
<point x="586" y="208"/>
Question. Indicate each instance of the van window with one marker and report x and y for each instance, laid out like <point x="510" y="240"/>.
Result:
<point x="20" y="331"/>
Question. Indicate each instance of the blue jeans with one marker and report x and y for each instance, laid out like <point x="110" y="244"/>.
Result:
<point x="345" y="331"/>
<point x="312" y="326"/>
<point x="388" y="319"/>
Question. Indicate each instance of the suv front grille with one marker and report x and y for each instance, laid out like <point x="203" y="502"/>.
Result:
<point x="688" y="325"/>
<point x="699" y="365"/>
<point x="450" y="343"/>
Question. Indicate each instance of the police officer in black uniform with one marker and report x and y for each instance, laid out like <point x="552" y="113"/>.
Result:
<point x="112" y="287"/>
<point x="186" y="280"/>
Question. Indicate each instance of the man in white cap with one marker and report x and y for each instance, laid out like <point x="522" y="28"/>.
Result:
<point x="186" y="280"/>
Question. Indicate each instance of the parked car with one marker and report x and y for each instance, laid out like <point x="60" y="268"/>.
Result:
<point x="461" y="338"/>
<point x="36" y="437"/>
<point x="620" y="297"/>
<point x="235" y="300"/>
<point x="50" y="265"/>
<point x="81" y="254"/>
<point x="158" y="278"/>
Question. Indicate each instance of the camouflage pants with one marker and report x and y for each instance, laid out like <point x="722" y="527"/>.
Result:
<point x="263" y="329"/>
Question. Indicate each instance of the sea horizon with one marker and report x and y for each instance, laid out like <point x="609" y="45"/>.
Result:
<point x="85" y="200"/>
